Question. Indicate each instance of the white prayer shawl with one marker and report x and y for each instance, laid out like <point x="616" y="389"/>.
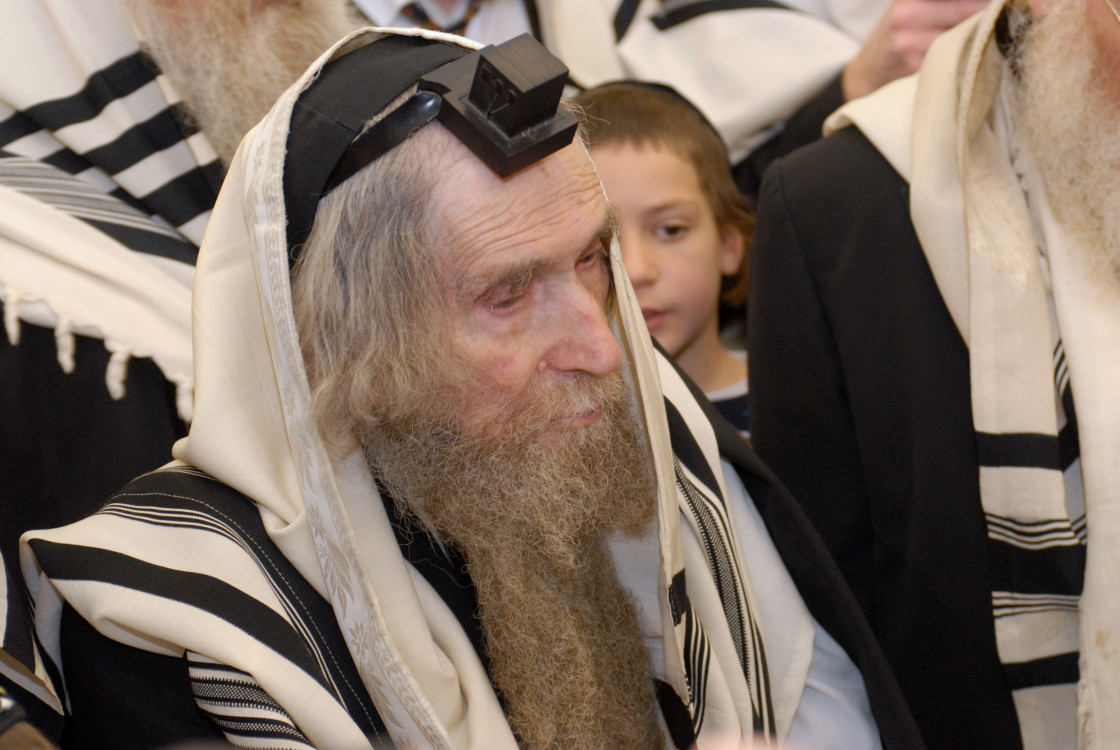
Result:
<point x="946" y="130"/>
<point x="253" y="431"/>
<point x="104" y="193"/>
<point x="748" y="66"/>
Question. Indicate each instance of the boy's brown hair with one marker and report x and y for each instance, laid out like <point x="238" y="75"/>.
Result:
<point x="653" y="116"/>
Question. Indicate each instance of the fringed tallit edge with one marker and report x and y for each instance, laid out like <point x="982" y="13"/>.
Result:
<point x="119" y="353"/>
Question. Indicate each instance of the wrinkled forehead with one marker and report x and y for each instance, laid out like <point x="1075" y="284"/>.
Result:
<point x="551" y="211"/>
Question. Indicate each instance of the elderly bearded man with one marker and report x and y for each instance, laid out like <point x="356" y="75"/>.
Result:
<point x="438" y="485"/>
<point x="917" y="348"/>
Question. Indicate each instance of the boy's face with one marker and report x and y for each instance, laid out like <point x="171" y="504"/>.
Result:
<point x="674" y="253"/>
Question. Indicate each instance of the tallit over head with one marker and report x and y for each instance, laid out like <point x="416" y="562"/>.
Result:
<point x="254" y="430"/>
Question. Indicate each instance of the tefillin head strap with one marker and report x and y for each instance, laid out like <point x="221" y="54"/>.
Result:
<point x="501" y="101"/>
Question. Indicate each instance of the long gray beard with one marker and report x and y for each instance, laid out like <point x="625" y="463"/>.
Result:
<point x="230" y="60"/>
<point x="530" y="516"/>
<point x="1069" y="112"/>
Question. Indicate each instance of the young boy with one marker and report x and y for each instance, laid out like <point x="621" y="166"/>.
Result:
<point x="683" y="227"/>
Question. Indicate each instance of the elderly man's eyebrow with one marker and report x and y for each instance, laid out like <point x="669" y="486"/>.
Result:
<point x="514" y="277"/>
<point x="517" y="276"/>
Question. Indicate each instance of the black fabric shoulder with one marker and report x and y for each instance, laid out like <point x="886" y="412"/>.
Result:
<point x="122" y="697"/>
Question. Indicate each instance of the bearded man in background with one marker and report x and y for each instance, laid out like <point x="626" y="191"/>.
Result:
<point x="917" y="348"/>
<point x="116" y="123"/>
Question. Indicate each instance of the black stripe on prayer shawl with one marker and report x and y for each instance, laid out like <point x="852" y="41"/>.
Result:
<point x="172" y="495"/>
<point x="724" y="569"/>
<point x="1062" y="669"/>
<point x="180" y="200"/>
<point x="1036" y="450"/>
<point x="121" y="78"/>
<point x="299" y="616"/>
<point x="1059" y="532"/>
<point x="137" y="143"/>
<point x="65" y="562"/>
<point x="15" y="127"/>
<point x="186" y="124"/>
<point x="1056" y="570"/>
<point x="126" y="197"/>
<point x="149" y="243"/>
<point x="177" y="205"/>
<point x="215" y="597"/>
<point x="182" y="497"/>
<point x="77" y="198"/>
<point x="1008" y="604"/>
<point x="669" y="19"/>
<point x="67" y="161"/>
<point x="678" y="598"/>
<point x="1028" y="450"/>
<point x="676" y="714"/>
<point x="1037" y="566"/>
<point x="624" y="16"/>
<point x="698" y="657"/>
<point x="234" y="701"/>
<point x="1069" y="444"/>
<point x="688" y="451"/>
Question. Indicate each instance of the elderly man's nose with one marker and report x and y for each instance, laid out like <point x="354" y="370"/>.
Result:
<point x="583" y="339"/>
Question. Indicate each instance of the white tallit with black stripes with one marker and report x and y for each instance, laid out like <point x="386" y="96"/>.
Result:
<point x="253" y="431"/>
<point x="104" y="196"/>
<point x="104" y="190"/>
<point x="793" y="48"/>
<point x="1040" y="333"/>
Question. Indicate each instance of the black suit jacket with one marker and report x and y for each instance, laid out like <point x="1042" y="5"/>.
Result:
<point x="860" y="402"/>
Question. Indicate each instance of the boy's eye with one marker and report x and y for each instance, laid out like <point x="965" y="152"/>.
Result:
<point x="672" y="230"/>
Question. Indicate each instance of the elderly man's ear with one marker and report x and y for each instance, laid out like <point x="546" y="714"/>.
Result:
<point x="1039" y="7"/>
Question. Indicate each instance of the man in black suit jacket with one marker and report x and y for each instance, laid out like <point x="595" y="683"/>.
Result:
<point x="880" y="318"/>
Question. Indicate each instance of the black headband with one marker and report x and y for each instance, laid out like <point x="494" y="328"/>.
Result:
<point x="501" y="101"/>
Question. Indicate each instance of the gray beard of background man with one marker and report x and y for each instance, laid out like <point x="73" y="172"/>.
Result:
<point x="530" y="512"/>
<point x="230" y="59"/>
<point x="1069" y="112"/>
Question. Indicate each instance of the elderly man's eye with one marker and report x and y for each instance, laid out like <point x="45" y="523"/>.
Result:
<point x="506" y="303"/>
<point x="595" y="254"/>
